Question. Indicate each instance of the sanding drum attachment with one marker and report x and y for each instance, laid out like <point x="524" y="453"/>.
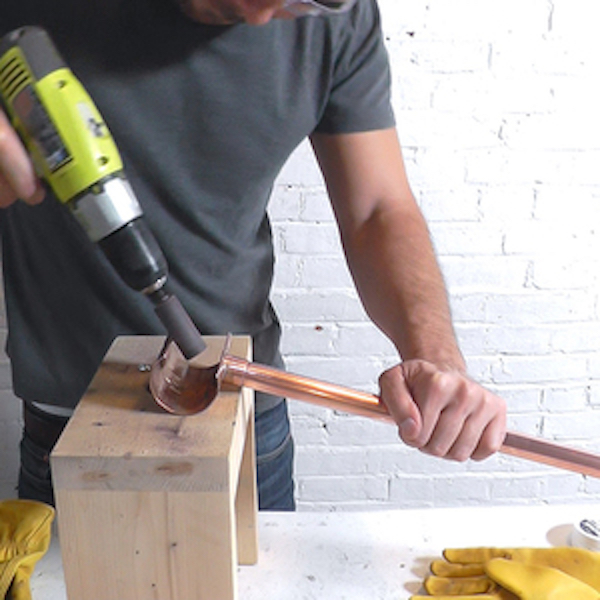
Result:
<point x="180" y="326"/>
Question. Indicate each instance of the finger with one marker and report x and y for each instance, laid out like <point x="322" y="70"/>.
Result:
<point x="492" y="439"/>
<point x="483" y="429"/>
<point x="432" y="390"/>
<point x="396" y="395"/>
<point x="16" y="166"/>
<point x="467" y="441"/>
<point x="454" y="434"/>
<point x="460" y="418"/>
<point x="458" y="433"/>
<point x="476" y="555"/>
<point x="7" y="194"/>
<point x="495" y="596"/>
<point x="450" y="586"/>
<point x="443" y="568"/>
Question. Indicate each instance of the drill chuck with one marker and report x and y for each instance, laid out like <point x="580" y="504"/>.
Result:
<point x="134" y="253"/>
<point x="106" y="207"/>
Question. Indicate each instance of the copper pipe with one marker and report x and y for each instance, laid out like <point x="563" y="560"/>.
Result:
<point x="239" y="372"/>
<point x="183" y="388"/>
<point x="550" y="453"/>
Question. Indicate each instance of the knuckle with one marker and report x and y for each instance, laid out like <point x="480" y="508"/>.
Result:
<point x="460" y="456"/>
<point x="421" y="442"/>
<point x="483" y="451"/>
<point x="390" y="378"/>
<point x="447" y="384"/>
<point x="433" y="450"/>
<point x="385" y="379"/>
<point x="437" y="445"/>
<point x="442" y="382"/>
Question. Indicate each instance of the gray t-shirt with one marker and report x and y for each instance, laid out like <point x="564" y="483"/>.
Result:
<point x="204" y="118"/>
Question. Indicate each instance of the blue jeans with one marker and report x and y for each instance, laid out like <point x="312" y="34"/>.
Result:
<point x="275" y="459"/>
<point x="274" y="449"/>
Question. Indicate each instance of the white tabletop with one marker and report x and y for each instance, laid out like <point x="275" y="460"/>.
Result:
<point x="374" y="555"/>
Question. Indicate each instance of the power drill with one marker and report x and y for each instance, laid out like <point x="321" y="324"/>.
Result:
<point x="75" y="154"/>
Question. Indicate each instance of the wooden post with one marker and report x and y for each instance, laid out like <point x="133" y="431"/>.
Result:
<point x="152" y="505"/>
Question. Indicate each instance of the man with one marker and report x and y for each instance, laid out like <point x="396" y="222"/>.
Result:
<point x="206" y="101"/>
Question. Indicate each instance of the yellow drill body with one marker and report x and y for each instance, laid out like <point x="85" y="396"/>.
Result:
<point x="61" y="127"/>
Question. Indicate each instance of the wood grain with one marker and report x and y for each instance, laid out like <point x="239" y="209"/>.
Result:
<point x="152" y="505"/>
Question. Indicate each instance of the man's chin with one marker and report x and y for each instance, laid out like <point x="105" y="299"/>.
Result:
<point x="208" y="17"/>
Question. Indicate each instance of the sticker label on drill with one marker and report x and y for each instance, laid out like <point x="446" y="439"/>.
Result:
<point x="36" y="121"/>
<point x="96" y="126"/>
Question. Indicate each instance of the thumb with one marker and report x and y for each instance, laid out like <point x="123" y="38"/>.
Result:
<point x="396" y="395"/>
<point x="529" y="581"/>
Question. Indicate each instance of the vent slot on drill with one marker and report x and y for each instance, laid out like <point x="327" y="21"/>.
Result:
<point x="13" y="78"/>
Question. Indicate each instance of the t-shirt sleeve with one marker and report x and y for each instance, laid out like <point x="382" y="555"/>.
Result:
<point x="359" y="97"/>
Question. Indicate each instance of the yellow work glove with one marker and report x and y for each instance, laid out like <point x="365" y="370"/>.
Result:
<point x="577" y="562"/>
<point x="508" y="580"/>
<point x="25" y="528"/>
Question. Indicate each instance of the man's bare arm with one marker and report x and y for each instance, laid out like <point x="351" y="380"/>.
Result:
<point x="387" y="244"/>
<point x="391" y="258"/>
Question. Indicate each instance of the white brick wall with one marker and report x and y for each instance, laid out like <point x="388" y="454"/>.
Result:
<point x="496" y="106"/>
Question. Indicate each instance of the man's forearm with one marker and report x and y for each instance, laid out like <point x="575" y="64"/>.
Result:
<point x="393" y="263"/>
<point x="438" y="409"/>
